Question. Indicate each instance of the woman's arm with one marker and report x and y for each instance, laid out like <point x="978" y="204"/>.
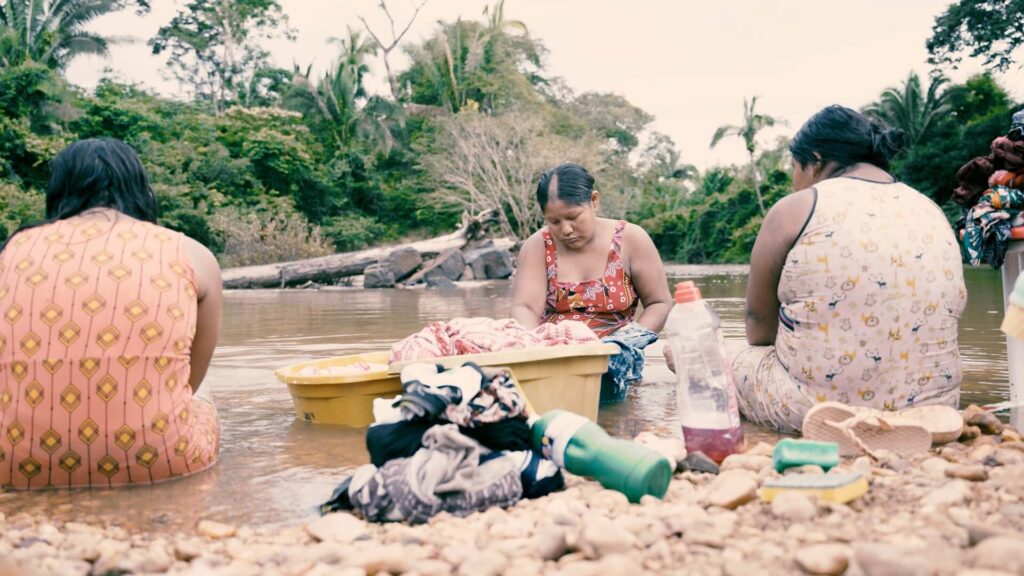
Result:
<point x="778" y="233"/>
<point x="530" y="285"/>
<point x="207" y="273"/>
<point x="648" y="275"/>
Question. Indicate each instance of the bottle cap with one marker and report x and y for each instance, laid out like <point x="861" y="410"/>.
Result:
<point x="687" y="292"/>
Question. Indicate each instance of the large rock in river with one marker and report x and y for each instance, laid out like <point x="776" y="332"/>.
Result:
<point x="403" y="262"/>
<point x="490" y="262"/>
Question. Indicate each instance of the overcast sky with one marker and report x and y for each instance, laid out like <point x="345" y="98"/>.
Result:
<point x="689" y="63"/>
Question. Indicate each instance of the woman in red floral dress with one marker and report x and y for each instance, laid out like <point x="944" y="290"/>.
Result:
<point x="593" y="270"/>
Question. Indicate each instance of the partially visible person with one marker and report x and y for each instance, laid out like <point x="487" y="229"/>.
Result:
<point x="108" y="326"/>
<point x="1013" y="322"/>
<point x="582" y="267"/>
<point x="856" y="286"/>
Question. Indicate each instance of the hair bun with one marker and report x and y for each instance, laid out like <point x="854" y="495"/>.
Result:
<point x="886" y="143"/>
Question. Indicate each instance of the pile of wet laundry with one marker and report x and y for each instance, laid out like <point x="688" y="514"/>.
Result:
<point x="454" y="441"/>
<point x="476" y="335"/>
<point x="991" y="189"/>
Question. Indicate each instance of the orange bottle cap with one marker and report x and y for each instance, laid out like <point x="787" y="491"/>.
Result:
<point x="687" y="291"/>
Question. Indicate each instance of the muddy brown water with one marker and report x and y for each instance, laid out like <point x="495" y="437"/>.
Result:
<point x="274" y="469"/>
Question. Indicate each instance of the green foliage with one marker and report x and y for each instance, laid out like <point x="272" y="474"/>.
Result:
<point x="17" y="208"/>
<point x="976" y="112"/>
<point x="910" y="108"/>
<point x="988" y="29"/>
<point x="213" y="46"/>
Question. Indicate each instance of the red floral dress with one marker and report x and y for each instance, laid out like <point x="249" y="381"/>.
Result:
<point x="605" y="304"/>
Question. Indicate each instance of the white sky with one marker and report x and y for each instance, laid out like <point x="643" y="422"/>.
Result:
<point x="689" y="63"/>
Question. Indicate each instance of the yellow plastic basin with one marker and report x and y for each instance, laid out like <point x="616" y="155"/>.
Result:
<point x="565" y="377"/>
<point x="339" y="399"/>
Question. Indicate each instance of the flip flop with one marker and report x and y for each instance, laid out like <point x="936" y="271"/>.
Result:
<point x="859" y="430"/>
<point x="944" y="423"/>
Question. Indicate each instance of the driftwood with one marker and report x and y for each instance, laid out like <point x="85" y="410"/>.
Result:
<point x="326" y="269"/>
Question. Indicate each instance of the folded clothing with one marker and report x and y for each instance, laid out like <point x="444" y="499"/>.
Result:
<point x="403" y="439"/>
<point x="450" y="473"/>
<point x="468" y="396"/>
<point x="477" y="335"/>
<point x="987" y="225"/>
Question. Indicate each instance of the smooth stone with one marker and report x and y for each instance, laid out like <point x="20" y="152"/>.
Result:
<point x="974" y="473"/>
<point x="338" y="527"/>
<point x="1010" y="435"/>
<point x="982" y="452"/>
<point x="551" y="543"/>
<point x="610" y="500"/>
<point x="970" y="433"/>
<point x="824" y="559"/>
<point x="987" y="422"/>
<point x="953" y="492"/>
<point x="1005" y="457"/>
<point x="806" y="469"/>
<point x="999" y="553"/>
<point x="935" y="467"/>
<point x="879" y="559"/>
<point x="761" y="449"/>
<point x="600" y="537"/>
<point x="754" y="463"/>
<point x="731" y="489"/>
<point x="698" y="462"/>
<point x="482" y="563"/>
<point x="216" y="530"/>
<point x="794" y="507"/>
<point x="674" y="449"/>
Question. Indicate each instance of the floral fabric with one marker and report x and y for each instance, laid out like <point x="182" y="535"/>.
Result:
<point x="605" y="304"/>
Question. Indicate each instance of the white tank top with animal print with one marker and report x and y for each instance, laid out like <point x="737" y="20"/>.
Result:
<point x="871" y="294"/>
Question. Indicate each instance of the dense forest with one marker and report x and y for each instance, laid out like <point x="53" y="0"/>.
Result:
<point x="266" y="164"/>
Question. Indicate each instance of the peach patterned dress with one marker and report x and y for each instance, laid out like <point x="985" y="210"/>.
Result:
<point x="96" y="326"/>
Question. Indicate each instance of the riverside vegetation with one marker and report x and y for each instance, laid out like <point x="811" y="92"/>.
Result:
<point x="265" y="164"/>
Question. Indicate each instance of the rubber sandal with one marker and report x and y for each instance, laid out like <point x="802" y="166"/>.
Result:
<point x="944" y="423"/>
<point x="860" y="430"/>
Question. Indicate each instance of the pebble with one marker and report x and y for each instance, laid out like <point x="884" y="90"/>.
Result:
<point x="731" y="489"/>
<point x="974" y="473"/>
<point x="953" y="492"/>
<point x="610" y="500"/>
<point x="698" y="462"/>
<point x="215" y="530"/>
<point x="751" y="462"/>
<point x="1010" y="435"/>
<point x="970" y="433"/>
<point x="672" y="448"/>
<point x="794" y="507"/>
<point x="987" y="423"/>
<point x="824" y="559"/>
<point x="338" y="527"/>
<point x="935" y="467"/>
<point x="483" y="563"/>
<point x="600" y="537"/>
<point x="981" y="453"/>
<point x="551" y="543"/>
<point x="1005" y="457"/>
<point x="999" y="553"/>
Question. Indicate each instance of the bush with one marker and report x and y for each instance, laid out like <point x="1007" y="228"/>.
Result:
<point x="250" y="238"/>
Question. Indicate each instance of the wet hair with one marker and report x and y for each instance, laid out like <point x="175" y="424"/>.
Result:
<point x="97" y="173"/>
<point x="572" y="183"/>
<point x="846" y="137"/>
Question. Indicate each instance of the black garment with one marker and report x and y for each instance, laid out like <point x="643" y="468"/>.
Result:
<point x="398" y="440"/>
<point x="402" y="439"/>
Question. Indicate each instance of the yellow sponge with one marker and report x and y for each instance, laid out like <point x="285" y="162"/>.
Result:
<point x="839" y="488"/>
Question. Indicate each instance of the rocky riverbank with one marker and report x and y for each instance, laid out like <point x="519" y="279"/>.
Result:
<point x="958" y="510"/>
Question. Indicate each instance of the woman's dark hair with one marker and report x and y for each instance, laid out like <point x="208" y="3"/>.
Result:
<point x="572" y="183"/>
<point x="97" y="173"/>
<point x="844" y="136"/>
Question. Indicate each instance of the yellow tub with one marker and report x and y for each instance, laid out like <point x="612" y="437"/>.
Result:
<point x="566" y="377"/>
<point x="339" y="399"/>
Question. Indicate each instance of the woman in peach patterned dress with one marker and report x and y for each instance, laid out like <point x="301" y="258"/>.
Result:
<point x="107" y="326"/>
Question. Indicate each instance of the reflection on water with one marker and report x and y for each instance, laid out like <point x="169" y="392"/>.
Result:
<point x="275" y="469"/>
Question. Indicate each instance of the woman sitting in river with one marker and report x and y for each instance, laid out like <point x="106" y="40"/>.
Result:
<point x="109" y="323"/>
<point x="594" y="270"/>
<point x="856" y="286"/>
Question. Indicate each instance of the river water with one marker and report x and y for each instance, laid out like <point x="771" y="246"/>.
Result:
<point x="274" y="469"/>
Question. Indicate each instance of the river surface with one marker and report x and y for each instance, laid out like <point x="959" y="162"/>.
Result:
<point x="274" y="469"/>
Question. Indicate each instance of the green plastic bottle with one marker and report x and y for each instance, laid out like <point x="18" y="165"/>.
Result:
<point x="583" y="448"/>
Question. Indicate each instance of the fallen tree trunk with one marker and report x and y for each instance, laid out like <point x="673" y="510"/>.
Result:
<point x="326" y="269"/>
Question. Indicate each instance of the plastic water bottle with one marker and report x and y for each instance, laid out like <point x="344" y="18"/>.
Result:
<point x="706" y="389"/>
<point x="582" y="447"/>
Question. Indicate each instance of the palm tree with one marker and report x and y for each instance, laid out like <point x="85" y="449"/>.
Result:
<point x="911" y="109"/>
<point x="339" y="97"/>
<point x="53" y="32"/>
<point x="752" y="124"/>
